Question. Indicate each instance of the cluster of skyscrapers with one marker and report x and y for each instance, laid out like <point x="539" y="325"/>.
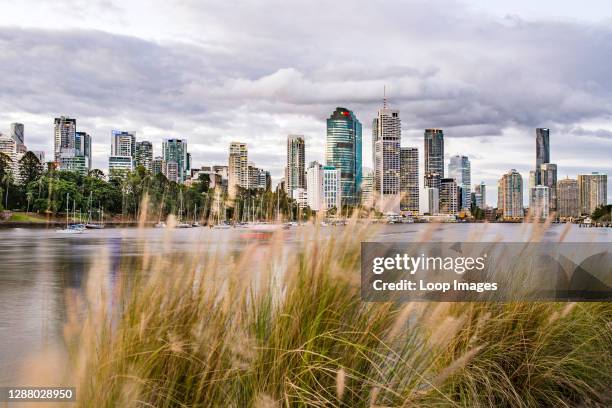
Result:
<point x="336" y="183"/>
<point x="71" y="148"/>
<point x="565" y="199"/>
<point x="240" y="171"/>
<point x="393" y="186"/>
<point x="127" y="153"/>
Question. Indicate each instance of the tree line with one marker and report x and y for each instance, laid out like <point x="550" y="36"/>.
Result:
<point x="34" y="188"/>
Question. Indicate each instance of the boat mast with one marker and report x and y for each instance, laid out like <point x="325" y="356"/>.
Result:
<point x="278" y="205"/>
<point x="89" y="216"/>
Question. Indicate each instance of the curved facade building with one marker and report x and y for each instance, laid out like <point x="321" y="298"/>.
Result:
<point x="343" y="151"/>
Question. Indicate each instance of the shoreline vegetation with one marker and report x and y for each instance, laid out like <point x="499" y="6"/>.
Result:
<point x="35" y="194"/>
<point x="268" y="327"/>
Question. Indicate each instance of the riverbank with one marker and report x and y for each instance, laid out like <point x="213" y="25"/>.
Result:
<point x="10" y="219"/>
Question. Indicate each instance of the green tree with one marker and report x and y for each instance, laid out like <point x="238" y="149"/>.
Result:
<point x="7" y="180"/>
<point x="602" y="213"/>
<point x="29" y="197"/>
<point x="30" y="168"/>
<point x="97" y="174"/>
<point x="5" y="165"/>
<point x="203" y="183"/>
<point x="477" y="212"/>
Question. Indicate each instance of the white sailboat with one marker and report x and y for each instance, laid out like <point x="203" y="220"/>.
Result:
<point x="195" y="217"/>
<point x="181" y="223"/>
<point x="221" y="224"/>
<point x="70" y="228"/>
<point x="160" y="223"/>
<point x="90" y="224"/>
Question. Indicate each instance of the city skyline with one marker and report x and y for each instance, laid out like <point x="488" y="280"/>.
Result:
<point x="124" y="144"/>
<point x="178" y="81"/>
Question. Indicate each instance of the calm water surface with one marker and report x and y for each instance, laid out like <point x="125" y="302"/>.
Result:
<point x="40" y="269"/>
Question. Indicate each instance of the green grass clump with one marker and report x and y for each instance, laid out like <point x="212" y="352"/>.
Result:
<point x="22" y="217"/>
<point x="285" y="326"/>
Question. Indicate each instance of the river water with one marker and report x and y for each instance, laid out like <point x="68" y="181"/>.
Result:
<point x="40" y="269"/>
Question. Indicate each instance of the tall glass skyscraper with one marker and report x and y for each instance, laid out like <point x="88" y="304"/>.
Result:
<point x="545" y="173"/>
<point x="542" y="148"/>
<point x="459" y="168"/>
<point x="433" y="154"/>
<point x="83" y="148"/>
<point x="343" y="151"/>
<point x="17" y="133"/>
<point x="175" y="151"/>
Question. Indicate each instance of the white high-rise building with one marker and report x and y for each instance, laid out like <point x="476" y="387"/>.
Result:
<point x="119" y="165"/>
<point x="367" y="189"/>
<point x="386" y="139"/>
<point x="123" y="143"/>
<point x="430" y="201"/>
<point x="539" y="202"/>
<point x="332" y="188"/>
<point x="324" y="187"/>
<point x="300" y="195"/>
<point x="459" y="169"/>
<point x="314" y="184"/>
<point x="238" y="167"/>
<point x="8" y="146"/>
<point x="123" y="150"/>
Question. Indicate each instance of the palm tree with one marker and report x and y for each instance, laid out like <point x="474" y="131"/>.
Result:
<point x="29" y="197"/>
<point x="7" y="178"/>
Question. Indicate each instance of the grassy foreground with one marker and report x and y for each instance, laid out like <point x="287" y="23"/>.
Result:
<point x="288" y="328"/>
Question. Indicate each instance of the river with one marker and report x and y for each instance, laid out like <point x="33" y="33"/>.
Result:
<point x="40" y="268"/>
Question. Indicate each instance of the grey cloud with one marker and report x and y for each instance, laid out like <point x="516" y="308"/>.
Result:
<point x="257" y="75"/>
<point x="600" y="133"/>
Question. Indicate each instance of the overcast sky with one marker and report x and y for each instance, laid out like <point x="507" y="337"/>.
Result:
<point x="486" y="72"/>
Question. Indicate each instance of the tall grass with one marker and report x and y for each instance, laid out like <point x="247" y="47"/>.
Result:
<point x="284" y="325"/>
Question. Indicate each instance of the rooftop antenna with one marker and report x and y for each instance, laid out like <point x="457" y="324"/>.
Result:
<point x="384" y="96"/>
